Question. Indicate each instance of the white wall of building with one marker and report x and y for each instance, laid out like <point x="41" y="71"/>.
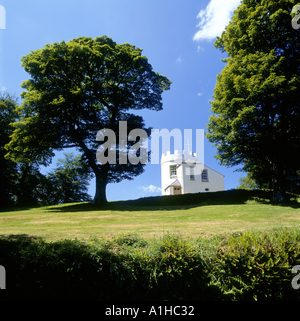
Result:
<point x="183" y="163"/>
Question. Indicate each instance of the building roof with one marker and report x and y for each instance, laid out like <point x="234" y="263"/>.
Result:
<point x="175" y="183"/>
<point x="189" y="162"/>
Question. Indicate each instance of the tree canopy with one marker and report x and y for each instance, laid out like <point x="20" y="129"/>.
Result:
<point x="68" y="182"/>
<point x="76" y="89"/>
<point x="8" y="169"/>
<point x="255" y="111"/>
<point x="246" y="182"/>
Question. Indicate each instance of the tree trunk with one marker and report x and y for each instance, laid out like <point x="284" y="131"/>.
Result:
<point x="100" y="194"/>
<point x="278" y="195"/>
<point x="101" y="175"/>
<point x="279" y="192"/>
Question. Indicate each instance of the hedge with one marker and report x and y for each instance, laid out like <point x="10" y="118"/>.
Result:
<point x="245" y="266"/>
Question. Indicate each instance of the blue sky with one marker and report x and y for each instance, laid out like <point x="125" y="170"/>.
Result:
<point x="177" y="37"/>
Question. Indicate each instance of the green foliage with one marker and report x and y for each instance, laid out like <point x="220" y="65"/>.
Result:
<point x="181" y="271"/>
<point x="8" y="169"/>
<point x="77" y="88"/>
<point x="258" y="266"/>
<point x="256" y="102"/>
<point x="248" y="183"/>
<point x="129" y="239"/>
<point x="19" y="181"/>
<point x="244" y="266"/>
<point x="68" y="183"/>
<point x="29" y="186"/>
<point x="22" y="184"/>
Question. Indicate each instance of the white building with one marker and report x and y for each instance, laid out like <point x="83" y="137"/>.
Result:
<point x="182" y="174"/>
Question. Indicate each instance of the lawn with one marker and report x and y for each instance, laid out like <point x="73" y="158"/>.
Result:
<point x="204" y="217"/>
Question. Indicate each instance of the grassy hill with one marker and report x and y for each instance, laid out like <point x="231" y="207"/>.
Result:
<point x="190" y="215"/>
<point x="196" y="261"/>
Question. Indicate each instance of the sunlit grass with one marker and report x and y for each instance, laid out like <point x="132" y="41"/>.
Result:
<point x="83" y="220"/>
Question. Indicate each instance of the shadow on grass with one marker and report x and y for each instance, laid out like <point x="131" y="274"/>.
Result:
<point x="292" y="203"/>
<point x="182" y="202"/>
<point x="15" y="209"/>
<point x="18" y="238"/>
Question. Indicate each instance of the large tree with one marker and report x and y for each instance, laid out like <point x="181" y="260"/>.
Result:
<point x="68" y="182"/>
<point x="247" y="182"/>
<point x="78" y="88"/>
<point x="256" y="106"/>
<point x="8" y="169"/>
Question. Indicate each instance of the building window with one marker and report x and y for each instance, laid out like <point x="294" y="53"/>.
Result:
<point x="173" y="170"/>
<point x="192" y="175"/>
<point x="204" y="176"/>
<point x="207" y="190"/>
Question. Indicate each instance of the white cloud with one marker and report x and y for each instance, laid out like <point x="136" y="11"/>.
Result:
<point x="214" y="18"/>
<point x="150" y="189"/>
<point x="200" y="48"/>
<point x="179" y="59"/>
<point x="200" y="94"/>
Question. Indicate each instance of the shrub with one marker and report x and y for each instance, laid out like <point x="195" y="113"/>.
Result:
<point x="257" y="266"/>
<point x="181" y="273"/>
<point x="244" y="266"/>
<point x="129" y="239"/>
